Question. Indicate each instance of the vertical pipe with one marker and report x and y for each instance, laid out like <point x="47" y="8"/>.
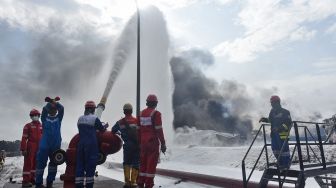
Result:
<point x="321" y="146"/>
<point x="138" y="62"/>
<point x="265" y="143"/>
<point x="298" y="145"/>
<point x="244" y="174"/>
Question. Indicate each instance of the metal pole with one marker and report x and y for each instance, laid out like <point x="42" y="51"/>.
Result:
<point x="267" y="162"/>
<point x="244" y="175"/>
<point x="138" y="62"/>
<point x="298" y="144"/>
<point x="307" y="147"/>
<point x="321" y="146"/>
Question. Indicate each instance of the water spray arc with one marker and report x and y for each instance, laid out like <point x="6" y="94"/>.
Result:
<point x="121" y="53"/>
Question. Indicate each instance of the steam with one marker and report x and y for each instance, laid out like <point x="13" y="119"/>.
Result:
<point x="202" y="103"/>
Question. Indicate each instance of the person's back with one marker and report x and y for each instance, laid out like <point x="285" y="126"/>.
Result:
<point x="150" y="121"/>
<point x="128" y="127"/>
<point x="151" y="136"/>
<point x="51" y="118"/>
<point x="87" y="129"/>
<point x="87" y="148"/>
<point x="51" y="125"/>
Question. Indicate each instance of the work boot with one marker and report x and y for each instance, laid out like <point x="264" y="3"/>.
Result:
<point x="49" y="184"/>
<point x="40" y="186"/>
<point x="134" y="177"/>
<point x="127" y="174"/>
<point x="27" y="184"/>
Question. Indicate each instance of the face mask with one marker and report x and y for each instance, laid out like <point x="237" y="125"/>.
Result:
<point x="35" y="118"/>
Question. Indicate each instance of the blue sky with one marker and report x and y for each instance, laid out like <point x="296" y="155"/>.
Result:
<point x="288" y="45"/>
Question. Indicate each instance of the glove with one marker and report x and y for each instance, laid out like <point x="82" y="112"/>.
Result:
<point x="163" y="148"/>
<point x="24" y="153"/>
<point x="264" y="120"/>
<point x="106" y="125"/>
<point x="50" y="100"/>
<point x="47" y="99"/>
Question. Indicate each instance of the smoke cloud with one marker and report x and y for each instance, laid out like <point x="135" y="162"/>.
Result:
<point x="203" y="103"/>
<point x="53" y="63"/>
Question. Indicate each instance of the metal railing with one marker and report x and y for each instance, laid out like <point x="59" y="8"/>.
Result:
<point x="313" y="141"/>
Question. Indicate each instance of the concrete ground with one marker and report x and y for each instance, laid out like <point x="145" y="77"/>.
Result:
<point x="100" y="182"/>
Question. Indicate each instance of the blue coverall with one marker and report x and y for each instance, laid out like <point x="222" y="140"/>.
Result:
<point x="87" y="149"/>
<point x="49" y="143"/>
<point x="131" y="146"/>
<point x="281" y="121"/>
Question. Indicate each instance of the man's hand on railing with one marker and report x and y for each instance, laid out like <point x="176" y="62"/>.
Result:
<point x="263" y="119"/>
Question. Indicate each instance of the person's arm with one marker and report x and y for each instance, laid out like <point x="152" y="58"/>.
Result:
<point x="24" y="139"/>
<point x="44" y="113"/>
<point x="287" y="121"/>
<point x="115" y="128"/>
<point x="60" y="109"/>
<point x="159" y="130"/>
<point x="99" y="126"/>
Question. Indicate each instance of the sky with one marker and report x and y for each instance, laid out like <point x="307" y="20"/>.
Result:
<point x="283" y="47"/>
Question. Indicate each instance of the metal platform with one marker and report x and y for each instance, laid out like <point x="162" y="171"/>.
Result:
<point x="309" y="163"/>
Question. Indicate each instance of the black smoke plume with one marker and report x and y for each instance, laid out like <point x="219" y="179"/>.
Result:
<point x="203" y="103"/>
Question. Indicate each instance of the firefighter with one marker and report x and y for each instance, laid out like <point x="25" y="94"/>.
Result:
<point x="87" y="148"/>
<point x="31" y="136"/>
<point x="281" y="122"/>
<point x="151" y="136"/>
<point x="128" y="127"/>
<point x="52" y="115"/>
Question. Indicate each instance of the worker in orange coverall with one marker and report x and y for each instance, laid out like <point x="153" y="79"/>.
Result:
<point x="31" y="136"/>
<point x="151" y="137"/>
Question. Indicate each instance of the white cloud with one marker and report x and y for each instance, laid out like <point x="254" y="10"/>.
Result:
<point x="326" y="65"/>
<point x="302" y="34"/>
<point x="224" y="2"/>
<point x="268" y="23"/>
<point x="331" y="29"/>
<point x="105" y="17"/>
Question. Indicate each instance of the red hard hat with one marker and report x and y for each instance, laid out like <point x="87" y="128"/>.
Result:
<point x="34" y="112"/>
<point x="90" y="104"/>
<point x="275" y="98"/>
<point x="152" y="98"/>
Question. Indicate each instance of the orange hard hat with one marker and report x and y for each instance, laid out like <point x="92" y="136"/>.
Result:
<point x="90" y="104"/>
<point x="275" y="98"/>
<point x="34" y="112"/>
<point x="152" y="98"/>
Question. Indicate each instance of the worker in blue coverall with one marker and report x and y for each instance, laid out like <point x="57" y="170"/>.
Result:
<point x="52" y="115"/>
<point x="87" y="148"/>
<point x="281" y="122"/>
<point x="128" y="127"/>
